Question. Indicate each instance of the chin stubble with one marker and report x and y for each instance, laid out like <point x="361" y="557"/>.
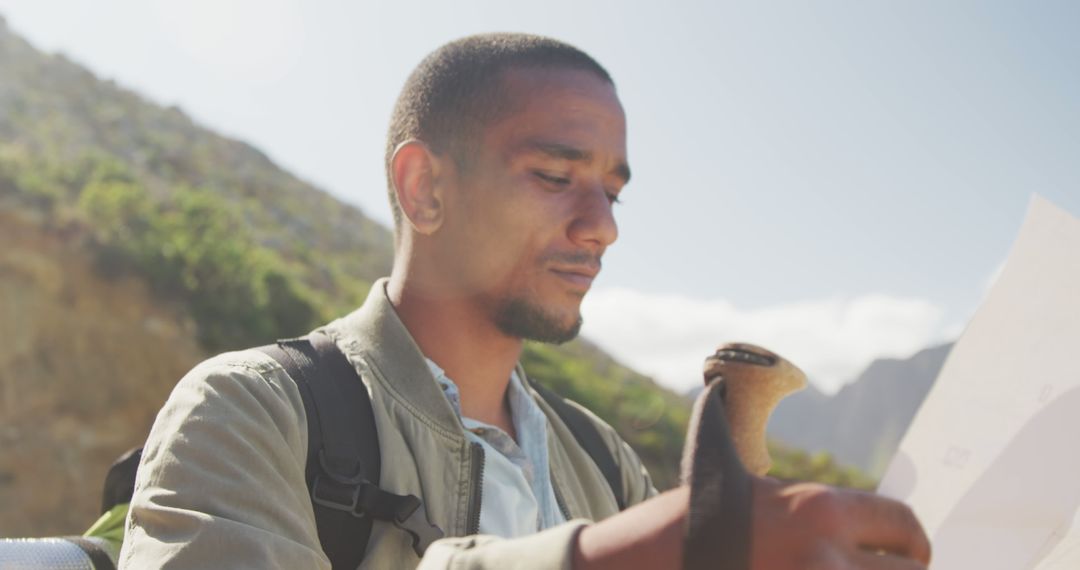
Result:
<point x="522" y="319"/>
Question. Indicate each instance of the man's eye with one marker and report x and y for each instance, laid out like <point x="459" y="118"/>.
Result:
<point x="558" y="180"/>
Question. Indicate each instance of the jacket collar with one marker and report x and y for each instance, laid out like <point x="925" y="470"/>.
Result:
<point x="378" y="345"/>
<point x="373" y="336"/>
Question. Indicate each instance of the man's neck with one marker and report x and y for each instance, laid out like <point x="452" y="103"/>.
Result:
<point x="477" y="356"/>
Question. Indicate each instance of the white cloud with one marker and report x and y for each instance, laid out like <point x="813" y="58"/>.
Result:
<point x="832" y="340"/>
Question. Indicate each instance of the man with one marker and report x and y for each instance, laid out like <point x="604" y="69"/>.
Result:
<point x="505" y="157"/>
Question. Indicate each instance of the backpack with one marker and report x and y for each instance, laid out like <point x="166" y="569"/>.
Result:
<point x="343" y="459"/>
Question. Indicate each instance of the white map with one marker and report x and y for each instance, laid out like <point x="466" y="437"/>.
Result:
<point x="991" y="463"/>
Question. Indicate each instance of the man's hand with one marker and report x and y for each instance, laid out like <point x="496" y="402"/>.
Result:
<point x="795" y="527"/>
<point x="810" y="526"/>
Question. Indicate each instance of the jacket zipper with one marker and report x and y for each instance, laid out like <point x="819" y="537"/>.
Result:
<point x="559" y="499"/>
<point x="477" y="495"/>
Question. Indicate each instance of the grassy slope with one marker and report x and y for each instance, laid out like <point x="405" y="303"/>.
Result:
<point x="252" y="251"/>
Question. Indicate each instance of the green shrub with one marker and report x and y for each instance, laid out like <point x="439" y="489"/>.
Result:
<point x="197" y="247"/>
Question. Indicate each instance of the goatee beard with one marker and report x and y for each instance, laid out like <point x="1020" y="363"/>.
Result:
<point x="521" y="319"/>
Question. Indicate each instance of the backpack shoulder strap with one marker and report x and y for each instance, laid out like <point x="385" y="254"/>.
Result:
<point x="588" y="436"/>
<point x="343" y="446"/>
<point x="343" y="459"/>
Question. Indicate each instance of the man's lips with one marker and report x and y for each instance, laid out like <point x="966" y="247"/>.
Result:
<point x="581" y="276"/>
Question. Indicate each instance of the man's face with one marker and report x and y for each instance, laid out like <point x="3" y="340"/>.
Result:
<point x="533" y="212"/>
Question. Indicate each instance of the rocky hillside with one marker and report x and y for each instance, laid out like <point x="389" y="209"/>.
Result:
<point x="59" y="120"/>
<point x="84" y="364"/>
<point x="862" y="424"/>
<point x="134" y="243"/>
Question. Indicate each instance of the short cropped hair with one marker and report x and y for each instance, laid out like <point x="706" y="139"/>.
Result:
<point x="455" y="92"/>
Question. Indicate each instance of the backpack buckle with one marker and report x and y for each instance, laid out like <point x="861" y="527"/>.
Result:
<point x="415" y="523"/>
<point x="335" y="491"/>
<point x="362" y="498"/>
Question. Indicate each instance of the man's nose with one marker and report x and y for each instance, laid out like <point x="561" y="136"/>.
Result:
<point x="594" y="222"/>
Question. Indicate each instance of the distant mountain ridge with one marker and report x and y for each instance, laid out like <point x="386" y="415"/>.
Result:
<point x="862" y="424"/>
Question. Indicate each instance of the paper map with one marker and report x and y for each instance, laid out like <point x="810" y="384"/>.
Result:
<point x="991" y="462"/>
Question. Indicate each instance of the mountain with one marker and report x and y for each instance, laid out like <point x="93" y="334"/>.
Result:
<point x="135" y="243"/>
<point x="862" y="424"/>
<point x="85" y="364"/>
<point x="64" y="127"/>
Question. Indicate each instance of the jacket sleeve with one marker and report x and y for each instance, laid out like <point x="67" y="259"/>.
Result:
<point x="221" y="482"/>
<point x="552" y="548"/>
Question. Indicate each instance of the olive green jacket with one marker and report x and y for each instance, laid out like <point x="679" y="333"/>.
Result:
<point x="221" y="483"/>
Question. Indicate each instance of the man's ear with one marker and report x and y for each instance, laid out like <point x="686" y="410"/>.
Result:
<point x="415" y="172"/>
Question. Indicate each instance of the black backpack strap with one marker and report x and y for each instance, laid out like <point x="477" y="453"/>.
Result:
<point x="120" y="480"/>
<point x="344" y="461"/>
<point x="588" y="436"/>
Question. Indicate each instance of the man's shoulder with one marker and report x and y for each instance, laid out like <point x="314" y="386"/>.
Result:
<point x="249" y="366"/>
<point x="242" y="381"/>
<point x="232" y="432"/>
<point x="251" y="360"/>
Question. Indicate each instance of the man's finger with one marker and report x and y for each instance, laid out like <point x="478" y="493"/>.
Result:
<point x="887" y="525"/>
<point x="863" y="560"/>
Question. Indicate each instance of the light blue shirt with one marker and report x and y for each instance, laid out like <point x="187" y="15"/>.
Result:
<point x="518" y="498"/>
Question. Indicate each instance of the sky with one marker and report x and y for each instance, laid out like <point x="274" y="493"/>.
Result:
<point x="836" y="180"/>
